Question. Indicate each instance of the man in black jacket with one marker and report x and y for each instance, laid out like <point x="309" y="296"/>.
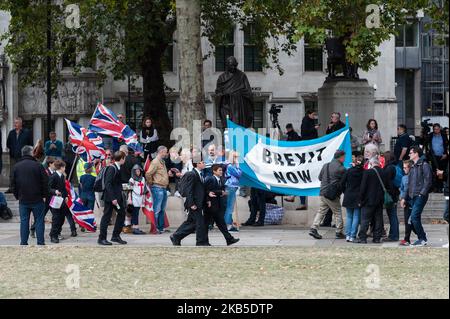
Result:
<point x="390" y="173"/>
<point x="30" y="186"/>
<point x="292" y="135"/>
<point x="216" y="202"/>
<point x="335" y="124"/>
<point x="194" y="204"/>
<point x="309" y="127"/>
<point x="371" y="195"/>
<point x="113" y="199"/>
<point x="17" y="139"/>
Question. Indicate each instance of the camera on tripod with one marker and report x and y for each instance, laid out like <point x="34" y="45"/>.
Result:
<point x="275" y="109"/>
<point x="426" y="126"/>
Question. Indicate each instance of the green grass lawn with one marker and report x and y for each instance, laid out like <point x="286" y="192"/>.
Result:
<point x="189" y="272"/>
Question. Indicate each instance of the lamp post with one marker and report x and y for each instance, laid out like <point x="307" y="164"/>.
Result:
<point x="49" y="69"/>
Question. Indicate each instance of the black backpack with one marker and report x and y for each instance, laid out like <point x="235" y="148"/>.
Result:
<point x="99" y="184"/>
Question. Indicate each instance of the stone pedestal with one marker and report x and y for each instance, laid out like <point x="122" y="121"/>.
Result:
<point x="354" y="97"/>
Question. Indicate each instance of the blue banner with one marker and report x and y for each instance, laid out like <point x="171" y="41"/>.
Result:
<point x="289" y="168"/>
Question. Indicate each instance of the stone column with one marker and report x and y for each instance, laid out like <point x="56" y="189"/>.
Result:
<point x="354" y="97"/>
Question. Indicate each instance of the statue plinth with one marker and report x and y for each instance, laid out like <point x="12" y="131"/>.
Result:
<point x="343" y="95"/>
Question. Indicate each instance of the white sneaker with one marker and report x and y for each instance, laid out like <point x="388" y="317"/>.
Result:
<point x="419" y="243"/>
<point x="445" y="246"/>
<point x="347" y="238"/>
<point x="177" y="194"/>
<point x="351" y="240"/>
<point x="169" y="194"/>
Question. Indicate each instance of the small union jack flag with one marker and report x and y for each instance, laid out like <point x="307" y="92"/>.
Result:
<point x="84" y="143"/>
<point x="105" y="122"/>
<point x="82" y="215"/>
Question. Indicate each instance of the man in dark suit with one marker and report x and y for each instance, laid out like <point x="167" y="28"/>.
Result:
<point x="216" y="202"/>
<point x="371" y="195"/>
<point x="113" y="198"/>
<point x="437" y="145"/>
<point x="17" y="139"/>
<point x="57" y="185"/>
<point x="194" y="204"/>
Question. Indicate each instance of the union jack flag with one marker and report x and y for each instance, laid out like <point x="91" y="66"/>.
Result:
<point x="105" y="122"/>
<point x="82" y="215"/>
<point x="84" y="143"/>
<point x="148" y="205"/>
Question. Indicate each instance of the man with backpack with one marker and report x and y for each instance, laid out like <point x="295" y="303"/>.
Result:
<point x="113" y="198"/>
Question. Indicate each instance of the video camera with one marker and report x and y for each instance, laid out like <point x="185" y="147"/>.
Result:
<point x="275" y="109"/>
<point x="426" y="126"/>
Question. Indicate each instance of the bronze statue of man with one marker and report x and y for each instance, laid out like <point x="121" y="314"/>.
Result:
<point x="234" y="95"/>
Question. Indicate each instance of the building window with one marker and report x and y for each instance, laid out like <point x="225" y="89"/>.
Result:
<point x="70" y="54"/>
<point x="313" y="56"/>
<point x="225" y="50"/>
<point x="167" y="60"/>
<point x="252" y="60"/>
<point x="258" y="115"/>
<point x="311" y="105"/>
<point x="407" y="35"/>
<point x="135" y="114"/>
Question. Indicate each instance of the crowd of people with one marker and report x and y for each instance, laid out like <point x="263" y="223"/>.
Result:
<point x="209" y="183"/>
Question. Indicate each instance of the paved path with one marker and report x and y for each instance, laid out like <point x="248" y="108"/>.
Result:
<point x="249" y="236"/>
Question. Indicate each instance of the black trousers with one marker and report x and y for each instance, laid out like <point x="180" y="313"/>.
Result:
<point x="328" y="219"/>
<point x="195" y="222"/>
<point x="218" y="216"/>
<point x="257" y="203"/>
<point x="58" y="216"/>
<point x="70" y="220"/>
<point x="408" y="227"/>
<point x="369" y="214"/>
<point x="106" y="219"/>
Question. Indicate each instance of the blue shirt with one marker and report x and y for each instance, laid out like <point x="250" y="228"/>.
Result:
<point x="87" y="182"/>
<point x="55" y="152"/>
<point x="437" y="143"/>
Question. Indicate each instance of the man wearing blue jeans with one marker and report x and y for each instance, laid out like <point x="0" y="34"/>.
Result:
<point x="30" y="186"/>
<point x="419" y="185"/>
<point x="157" y="178"/>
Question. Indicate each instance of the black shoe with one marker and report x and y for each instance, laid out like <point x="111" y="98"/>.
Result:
<point x="207" y="244"/>
<point x="360" y="241"/>
<point x="54" y="240"/>
<point x="325" y="225"/>
<point x="8" y="191"/>
<point x="232" y="241"/>
<point x="104" y="242"/>
<point x="248" y="223"/>
<point x="118" y="240"/>
<point x="314" y="233"/>
<point x="376" y="241"/>
<point x="33" y="233"/>
<point x="258" y="224"/>
<point x="174" y="241"/>
<point x="340" y="236"/>
<point x="389" y="240"/>
<point x="333" y="226"/>
<point x="73" y="233"/>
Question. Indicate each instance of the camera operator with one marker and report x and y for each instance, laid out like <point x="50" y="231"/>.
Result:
<point x="437" y="145"/>
<point x="335" y="123"/>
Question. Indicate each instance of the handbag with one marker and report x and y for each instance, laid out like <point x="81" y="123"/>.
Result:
<point x="388" y="201"/>
<point x="331" y="192"/>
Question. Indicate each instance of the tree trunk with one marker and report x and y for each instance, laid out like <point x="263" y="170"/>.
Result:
<point x="154" y="95"/>
<point x="192" y="97"/>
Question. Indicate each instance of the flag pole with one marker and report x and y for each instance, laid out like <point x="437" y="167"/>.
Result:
<point x="73" y="166"/>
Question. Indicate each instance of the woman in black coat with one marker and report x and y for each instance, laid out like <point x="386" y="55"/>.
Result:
<point x="351" y="183"/>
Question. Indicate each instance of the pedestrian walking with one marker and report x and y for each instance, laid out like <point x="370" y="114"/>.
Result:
<point x="330" y="195"/>
<point x="138" y="186"/>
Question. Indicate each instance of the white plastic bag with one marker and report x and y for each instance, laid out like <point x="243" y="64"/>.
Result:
<point x="56" y="202"/>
